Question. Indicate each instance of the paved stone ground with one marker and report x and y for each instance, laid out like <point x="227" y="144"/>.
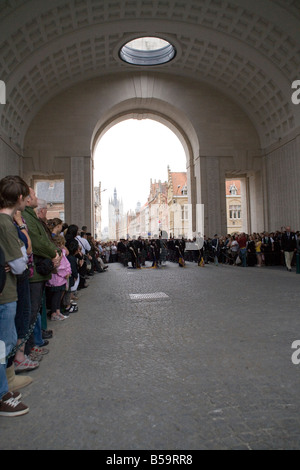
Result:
<point x="207" y="366"/>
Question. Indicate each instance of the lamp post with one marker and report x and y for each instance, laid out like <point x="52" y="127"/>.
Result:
<point x="97" y="209"/>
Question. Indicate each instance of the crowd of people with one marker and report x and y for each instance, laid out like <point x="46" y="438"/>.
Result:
<point x="257" y="249"/>
<point x="45" y="262"/>
<point x="43" y="265"/>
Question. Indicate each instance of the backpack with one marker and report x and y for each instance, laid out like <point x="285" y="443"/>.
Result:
<point x="2" y="270"/>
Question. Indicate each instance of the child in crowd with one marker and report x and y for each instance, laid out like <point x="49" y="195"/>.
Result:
<point x="57" y="285"/>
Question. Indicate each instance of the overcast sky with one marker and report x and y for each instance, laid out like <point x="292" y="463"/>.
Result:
<point x="129" y="155"/>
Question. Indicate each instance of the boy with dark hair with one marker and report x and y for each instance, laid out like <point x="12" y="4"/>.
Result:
<point x="13" y="196"/>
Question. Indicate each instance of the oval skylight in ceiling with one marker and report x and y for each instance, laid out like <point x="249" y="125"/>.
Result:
<point x="147" y="51"/>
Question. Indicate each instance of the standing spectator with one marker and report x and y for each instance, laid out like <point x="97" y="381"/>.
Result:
<point x="288" y="246"/>
<point x="74" y="263"/>
<point x="41" y="210"/>
<point x="251" y="251"/>
<point x="114" y="250"/>
<point x="2" y="270"/>
<point x="44" y="251"/>
<point x="206" y="250"/>
<point x="267" y="246"/>
<point x="85" y="246"/>
<point x="107" y="252"/>
<point x="56" y="226"/>
<point x="277" y="248"/>
<point x="258" y="251"/>
<point x="215" y="245"/>
<point x="58" y="284"/>
<point x="13" y="195"/>
<point x="234" y="249"/>
<point x="85" y="249"/>
<point x="121" y="251"/>
<point x="242" y="241"/>
<point x="22" y="362"/>
<point x="72" y="234"/>
<point x="40" y="330"/>
<point x="298" y="249"/>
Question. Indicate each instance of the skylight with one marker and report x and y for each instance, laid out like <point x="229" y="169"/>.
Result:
<point x="147" y="51"/>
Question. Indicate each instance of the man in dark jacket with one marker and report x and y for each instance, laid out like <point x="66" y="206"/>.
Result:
<point x="288" y="246"/>
<point x="215" y="245"/>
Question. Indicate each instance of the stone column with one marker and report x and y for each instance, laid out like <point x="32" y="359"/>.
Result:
<point x="213" y="196"/>
<point x="81" y="192"/>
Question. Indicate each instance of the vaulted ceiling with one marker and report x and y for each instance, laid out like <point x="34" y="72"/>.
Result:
<point x="249" y="49"/>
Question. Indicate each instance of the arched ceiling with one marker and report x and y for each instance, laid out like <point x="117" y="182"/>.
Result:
<point x="249" y="49"/>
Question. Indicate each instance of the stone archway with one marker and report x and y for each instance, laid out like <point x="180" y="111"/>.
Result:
<point x="217" y="135"/>
<point x="150" y="113"/>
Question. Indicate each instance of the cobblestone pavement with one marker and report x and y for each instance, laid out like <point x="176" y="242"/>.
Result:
<point x="204" y="362"/>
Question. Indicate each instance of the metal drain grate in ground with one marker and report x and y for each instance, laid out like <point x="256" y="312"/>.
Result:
<point x="151" y="296"/>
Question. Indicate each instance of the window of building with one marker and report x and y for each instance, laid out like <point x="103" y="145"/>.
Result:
<point x="184" y="212"/>
<point x="147" y="51"/>
<point x="235" y="212"/>
<point x="233" y="190"/>
<point x="184" y="191"/>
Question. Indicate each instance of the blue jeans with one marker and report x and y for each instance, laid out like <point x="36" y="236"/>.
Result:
<point x="243" y="256"/>
<point x="8" y="336"/>
<point x="37" y="332"/>
<point x="23" y="307"/>
<point x="36" y="297"/>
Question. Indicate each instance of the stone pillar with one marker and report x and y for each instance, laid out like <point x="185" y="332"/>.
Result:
<point x="256" y="198"/>
<point x="192" y="197"/>
<point x="200" y="226"/>
<point x="213" y="196"/>
<point x="80" y="194"/>
<point x="245" y="204"/>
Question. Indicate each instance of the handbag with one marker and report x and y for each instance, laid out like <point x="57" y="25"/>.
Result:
<point x="43" y="266"/>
